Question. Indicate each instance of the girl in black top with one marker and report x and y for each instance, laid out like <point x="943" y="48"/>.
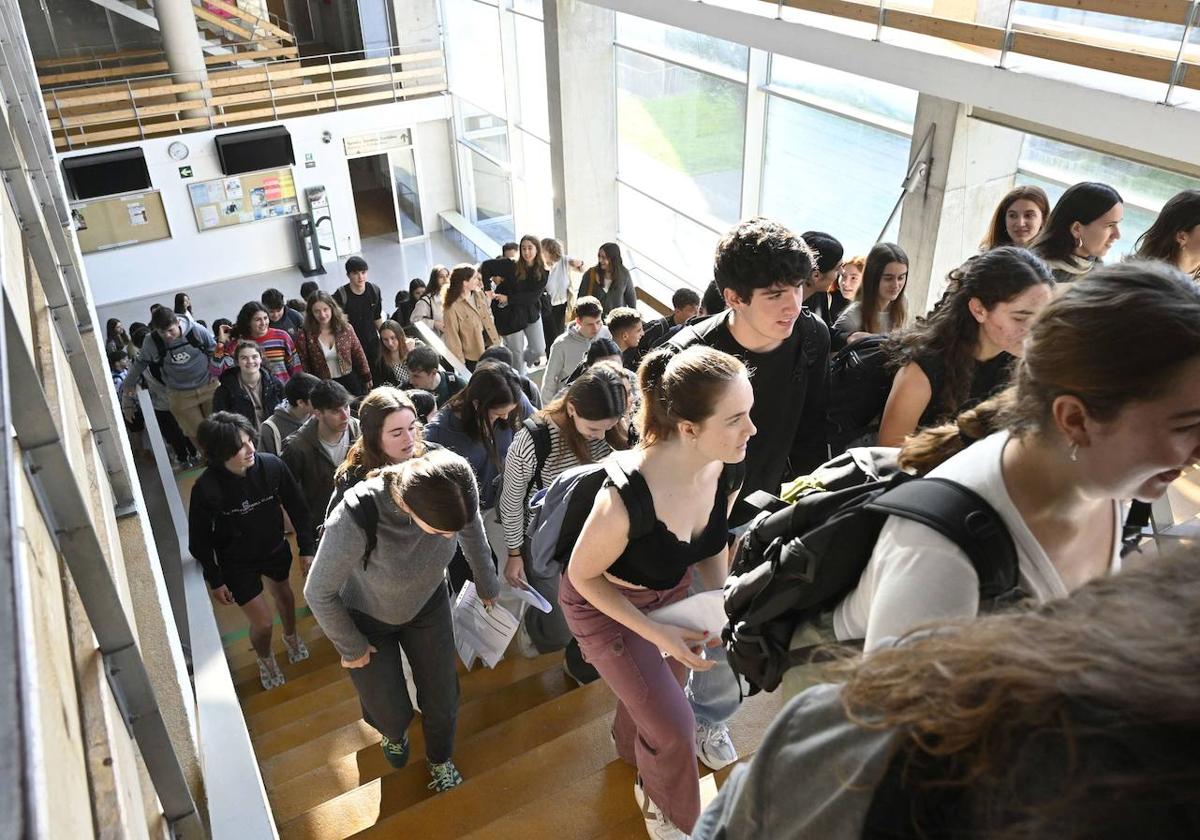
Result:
<point x="963" y="351"/>
<point x="694" y="425"/>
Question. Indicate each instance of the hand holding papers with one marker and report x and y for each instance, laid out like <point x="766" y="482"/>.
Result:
<point x="481" y="632"/>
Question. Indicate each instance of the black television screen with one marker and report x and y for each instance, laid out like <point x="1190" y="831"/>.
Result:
<point x="107" y="173"/>
<point x="250" y="151"/>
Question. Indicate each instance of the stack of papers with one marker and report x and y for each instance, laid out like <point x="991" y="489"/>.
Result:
<point x="481" y="632"/>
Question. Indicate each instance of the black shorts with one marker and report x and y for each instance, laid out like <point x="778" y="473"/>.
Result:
<point x="245" y="580"/>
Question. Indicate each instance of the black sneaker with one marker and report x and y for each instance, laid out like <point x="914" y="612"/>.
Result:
<point x="396" y="752"/>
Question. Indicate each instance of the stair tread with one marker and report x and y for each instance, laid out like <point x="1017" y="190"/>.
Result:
<point x="562" y="739"/>
<point x="519" y="715"/>
<point x="332" y="732"/>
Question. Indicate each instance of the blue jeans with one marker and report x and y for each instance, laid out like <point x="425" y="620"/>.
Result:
<point x="714" y="693"/>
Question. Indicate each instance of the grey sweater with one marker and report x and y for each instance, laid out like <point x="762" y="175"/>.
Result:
<point x="185" y="367"/>
<point x="839" y="762"/>
<point x="401" y="574"/>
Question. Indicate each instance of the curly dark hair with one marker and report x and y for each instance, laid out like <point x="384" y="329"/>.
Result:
<point x="760" y="253"/>
<point x="951" y="332"/>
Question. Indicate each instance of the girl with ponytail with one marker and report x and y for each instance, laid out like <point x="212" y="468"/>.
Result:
<point x="373" y="600"/>
<point x="583" y="426"/>
<point x="1086" y="426"/>
<point x="693" y="427"/>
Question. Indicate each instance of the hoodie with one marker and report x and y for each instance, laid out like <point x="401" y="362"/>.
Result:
<point x="237" y="520"/>
<point x="277" y="428"/>
<point x="185" y="364"/>
<point x="566" y="353"/>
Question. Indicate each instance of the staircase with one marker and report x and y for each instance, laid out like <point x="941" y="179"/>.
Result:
<point x="534" y="750"/>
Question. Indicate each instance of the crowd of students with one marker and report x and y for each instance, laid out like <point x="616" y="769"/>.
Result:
<point x="1009" y="387"/>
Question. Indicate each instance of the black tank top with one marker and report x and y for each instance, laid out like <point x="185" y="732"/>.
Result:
<point x="659" y="559"/>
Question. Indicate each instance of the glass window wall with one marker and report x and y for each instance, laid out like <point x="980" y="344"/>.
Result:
<point x="680" y="135"/>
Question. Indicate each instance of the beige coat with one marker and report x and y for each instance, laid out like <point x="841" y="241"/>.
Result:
<point x="467" y="321"/>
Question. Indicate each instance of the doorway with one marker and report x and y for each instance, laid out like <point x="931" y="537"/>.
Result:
<point x="374" y="206"/>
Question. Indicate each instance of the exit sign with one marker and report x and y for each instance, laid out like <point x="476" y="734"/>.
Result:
<point x="185" y="172"/>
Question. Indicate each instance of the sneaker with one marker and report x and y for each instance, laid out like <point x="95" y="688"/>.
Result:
<point x="657" y="824"/>
<point x="525" y="645"/>
<point x="269" y="673"/>
<point x="396" y="752"/>
<point x="297" y="652"/>
<point x="714" y="746"/>
<point x="445" y="776"/>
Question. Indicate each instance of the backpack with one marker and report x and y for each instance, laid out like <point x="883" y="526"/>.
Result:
<point x="540" y="432"/>
<point x="801" y="561"/>
<point x="191" y="339"/>
<point x="860" y="380"/>
<point x="557" y="512"/>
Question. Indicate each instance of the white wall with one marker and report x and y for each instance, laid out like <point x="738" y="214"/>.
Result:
<point x="191" y="258"/>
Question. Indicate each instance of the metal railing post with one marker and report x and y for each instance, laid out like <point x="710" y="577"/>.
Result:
<point x="392" y="73"/>
<point x="1006" y="45"/>
<point x="332" y="81"/>
<point x="137" y="117"/>
<point x="1177" y="69"/>
<point x="271" y="92"/>
<point x="879" y="24"/>
<point x="62" y="120"/>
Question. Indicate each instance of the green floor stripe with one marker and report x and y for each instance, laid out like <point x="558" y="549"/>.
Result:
<point x="234" y="635"/>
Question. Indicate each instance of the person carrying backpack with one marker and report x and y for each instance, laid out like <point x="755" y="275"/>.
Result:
<point x="182" y="350"/>
<point x="374" y="600"/>
<point x="582" y="426"/>
<point x="1077" y="719"/>
<point x="684" y="476"/>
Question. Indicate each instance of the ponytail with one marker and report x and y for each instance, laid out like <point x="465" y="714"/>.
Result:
<point x="438" y="487"/>
<point x="931" y="447"/>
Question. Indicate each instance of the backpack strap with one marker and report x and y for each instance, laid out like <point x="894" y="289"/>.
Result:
<point x="540" y="432"/>
<point x="339" y="295"/>
<point x="1135" y="525"/>
<point x="635" y="495"/>
<point x="963" y="516"/>
<point x="365" y="513"/>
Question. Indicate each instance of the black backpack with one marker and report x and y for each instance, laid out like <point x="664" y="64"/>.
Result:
<point x="799" y="562"/>
<point x="161" y="347"/>
<point x="860" y="380"/>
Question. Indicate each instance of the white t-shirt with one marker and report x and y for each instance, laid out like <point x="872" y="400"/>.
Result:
<point x="337" y="451"/>
<point x="915" y="575"/>
<point x="332" y="359"/>
<point x="558" y="283"/>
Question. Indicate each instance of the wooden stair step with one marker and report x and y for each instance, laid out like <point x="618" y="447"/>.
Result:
<point x="333" y="687"/>
<point x="523" y="777"/>
<point x="599" y="806"/>
<point x="332" y="779"/>
<point x="306" y="744"/>
<point x="240" y="655"/>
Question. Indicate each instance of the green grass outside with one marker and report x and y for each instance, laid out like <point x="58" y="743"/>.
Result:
<point x="695" y="133"/>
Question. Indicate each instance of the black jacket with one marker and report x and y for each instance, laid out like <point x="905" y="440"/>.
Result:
<point x="524" y="305"/>
<point x="310" y="464"/>
<point x="231" y="396"/>
<point x="238" y="520"/>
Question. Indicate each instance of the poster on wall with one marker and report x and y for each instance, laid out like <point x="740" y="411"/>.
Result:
<point x="253" y="197"/>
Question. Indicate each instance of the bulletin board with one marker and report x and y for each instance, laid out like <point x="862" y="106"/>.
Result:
<point x="116" y="221"/>
<point x="239" y="199"/>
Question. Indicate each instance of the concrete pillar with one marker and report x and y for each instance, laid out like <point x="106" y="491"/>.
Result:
<point x="181" y="43"/>
<point x="973" y="164"/>
<point x="416" y="23"/>
<point x="581" y="88"/>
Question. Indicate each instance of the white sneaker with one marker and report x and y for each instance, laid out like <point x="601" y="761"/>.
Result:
<point x="525" y="645"/>
<point x="714" y="746"/>
<point x="296" y="649"/>
<point x="269" y="673"/>
<point x="657" y="824"/>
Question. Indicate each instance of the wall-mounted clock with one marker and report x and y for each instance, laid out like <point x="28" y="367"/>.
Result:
<point x="177" y="151"/>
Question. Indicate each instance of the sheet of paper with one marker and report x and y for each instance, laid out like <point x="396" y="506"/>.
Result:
<point x="703" y="612"/>
<point x="486" y="631"/>
<point x="531" y="597"/>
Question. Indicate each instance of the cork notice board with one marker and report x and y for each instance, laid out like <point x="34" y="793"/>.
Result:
<point x="116" y="221"/>
<point x="239" y="199"/>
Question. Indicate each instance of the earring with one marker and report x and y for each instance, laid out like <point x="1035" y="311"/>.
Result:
<point x="1075" y="452"/>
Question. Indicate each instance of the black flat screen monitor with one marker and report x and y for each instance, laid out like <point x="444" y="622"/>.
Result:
<point x="107" y="173"/>
<point x="250" y="151"/>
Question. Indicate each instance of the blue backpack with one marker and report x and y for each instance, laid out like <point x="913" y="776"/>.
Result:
<point x="557" y="512"/>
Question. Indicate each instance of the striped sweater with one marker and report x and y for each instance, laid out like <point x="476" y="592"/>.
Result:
<point x="519" y="467"/>
<point x="279" y="354"/>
